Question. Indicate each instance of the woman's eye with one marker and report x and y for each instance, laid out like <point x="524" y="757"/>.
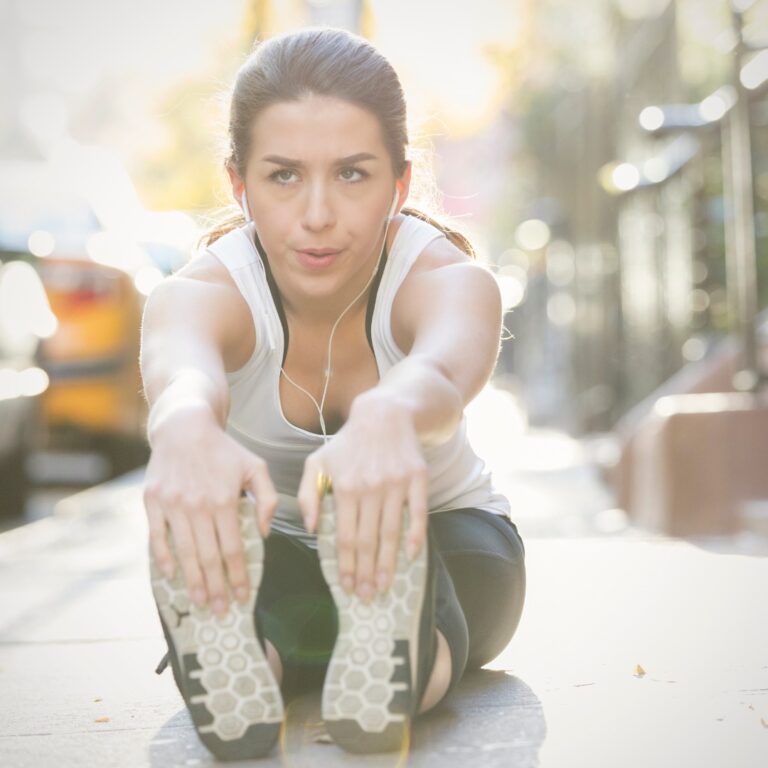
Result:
<point x="362" y="173"/>
<point x="278" y="175"/>
<point x="283" y="176"/>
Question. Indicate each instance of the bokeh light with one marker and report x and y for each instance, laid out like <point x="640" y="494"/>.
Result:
<point x="532" y="234"/>
<point x="41" y="243"/>
<point x="625" y="176"/>
<point x="651" y="118"/>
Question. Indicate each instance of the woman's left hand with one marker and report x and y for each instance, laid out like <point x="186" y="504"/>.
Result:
<point x="376" y="465"/>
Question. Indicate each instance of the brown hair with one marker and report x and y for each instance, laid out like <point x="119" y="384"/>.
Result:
<point x="324" y="61"/>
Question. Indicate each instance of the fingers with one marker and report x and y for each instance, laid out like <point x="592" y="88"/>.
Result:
<point x="417" y="512"/>
<point x="204" y="540"/>
<point x="231" y="544"/>
<point x="259" y="482"/>
<point x="158" y="538"/>
<point x="203" y="544"/>
<point x="207" y="543"/>
<point x="346" y="537"/>
<point x="366" y="546"/>
<point x="308" y="494"/>
<point x="186" y="556"/>
<point x="389" y="541"/>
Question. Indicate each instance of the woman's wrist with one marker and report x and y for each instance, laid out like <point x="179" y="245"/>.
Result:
<point x="378" y="406"/>
<point x="171" y="414"/>
<point x="194" y="395"/>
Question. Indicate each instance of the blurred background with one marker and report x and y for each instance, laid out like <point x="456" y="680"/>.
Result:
<point x="608" y="159"/>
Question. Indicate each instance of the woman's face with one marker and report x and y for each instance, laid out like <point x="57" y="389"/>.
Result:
<point x="319" y="177"/>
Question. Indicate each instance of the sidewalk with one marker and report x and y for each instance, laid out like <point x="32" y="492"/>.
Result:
<point x="79" y="641"/>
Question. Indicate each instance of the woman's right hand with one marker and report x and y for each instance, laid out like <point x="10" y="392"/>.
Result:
<point x="193" y="482"/>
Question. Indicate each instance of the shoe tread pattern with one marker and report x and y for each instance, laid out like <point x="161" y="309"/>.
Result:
<point x="233" y="697"/>
<point x="367" y="699"/>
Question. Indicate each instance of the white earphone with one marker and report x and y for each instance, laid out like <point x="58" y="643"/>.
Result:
<point x="246" y="209"/>
<point x="393" y="206"/>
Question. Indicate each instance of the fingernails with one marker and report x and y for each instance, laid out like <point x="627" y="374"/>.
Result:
<point x="168" y="571"/>
<point x="410" y="550"/>
<point x="347" y="584"/>
<point x="219" y="607"/>
<point x="382" y="582"/>
<point x="242" y="594"/>
<point x="199" y="597"/>
<point x="365" y="592"/>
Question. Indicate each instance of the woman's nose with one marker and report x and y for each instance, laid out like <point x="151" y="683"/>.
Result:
<point x="318" y="210"/>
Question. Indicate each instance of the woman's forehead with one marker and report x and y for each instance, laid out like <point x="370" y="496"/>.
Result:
<point x="316" y="126"/>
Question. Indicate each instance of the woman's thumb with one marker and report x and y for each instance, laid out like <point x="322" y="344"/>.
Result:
<point x="258" y="485"/>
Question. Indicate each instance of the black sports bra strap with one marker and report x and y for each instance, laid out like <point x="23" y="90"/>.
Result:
<point x="279" y="304"/>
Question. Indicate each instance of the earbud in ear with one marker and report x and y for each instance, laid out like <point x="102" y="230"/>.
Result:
<point x="394" y="205"/>
<point x="244" y="202"/>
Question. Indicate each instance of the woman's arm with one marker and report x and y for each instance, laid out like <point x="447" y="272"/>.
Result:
<point x="188" y="334"/>
<point x="454" y="315"/>
<point x="196" y="471"/>
<point x="418" y="388"/>
<point x="376" y="462"/>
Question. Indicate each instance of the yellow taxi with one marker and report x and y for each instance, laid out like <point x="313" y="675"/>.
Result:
<point x="97" y="270"/>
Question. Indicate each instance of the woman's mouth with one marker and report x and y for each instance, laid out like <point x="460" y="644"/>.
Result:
<point x="316" y="259"/>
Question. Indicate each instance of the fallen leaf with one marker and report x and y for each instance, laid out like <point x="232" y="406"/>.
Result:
<point x="639" y="671"/>
<point x="101" y="720"/>
<point x="765" y="724"/>
<point x="97" y="699"/>
<point x="319" y="734"/>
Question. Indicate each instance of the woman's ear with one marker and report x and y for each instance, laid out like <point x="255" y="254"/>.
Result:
<point x="238" y="186"/>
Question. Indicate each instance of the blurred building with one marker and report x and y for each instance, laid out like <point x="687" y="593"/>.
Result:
<point x="633" y="283"/>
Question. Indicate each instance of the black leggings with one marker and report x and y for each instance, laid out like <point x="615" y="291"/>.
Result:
<point x="479" y="600"/>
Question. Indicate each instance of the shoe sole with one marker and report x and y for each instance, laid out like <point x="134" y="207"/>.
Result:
<point x="369" y="689"/>
<point x="232" y="695"/>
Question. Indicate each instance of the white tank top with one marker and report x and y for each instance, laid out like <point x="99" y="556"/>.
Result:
<point x="458" y="478"/>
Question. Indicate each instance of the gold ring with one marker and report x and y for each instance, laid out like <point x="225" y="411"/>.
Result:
<point x="324" y="484"/>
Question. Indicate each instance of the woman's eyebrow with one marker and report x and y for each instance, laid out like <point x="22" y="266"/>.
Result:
<point x="358" y="158"/>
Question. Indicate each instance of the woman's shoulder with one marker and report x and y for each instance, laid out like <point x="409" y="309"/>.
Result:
<point x="205" y="266"/>
<point x="235" y="314"/>
<point x="438" y="252"/>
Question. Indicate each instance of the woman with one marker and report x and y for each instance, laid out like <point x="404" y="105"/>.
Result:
<point x="316" y="359"/>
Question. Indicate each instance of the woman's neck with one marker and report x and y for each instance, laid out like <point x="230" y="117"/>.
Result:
<point x="323" y="314"/>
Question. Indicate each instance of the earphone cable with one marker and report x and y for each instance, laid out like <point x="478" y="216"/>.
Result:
<point x="248" y="218"/>
<point x="330" y="341"/>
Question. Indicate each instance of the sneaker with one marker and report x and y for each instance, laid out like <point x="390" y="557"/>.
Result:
<point x="221" y="670"/>
<point x="384" y="650"/>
